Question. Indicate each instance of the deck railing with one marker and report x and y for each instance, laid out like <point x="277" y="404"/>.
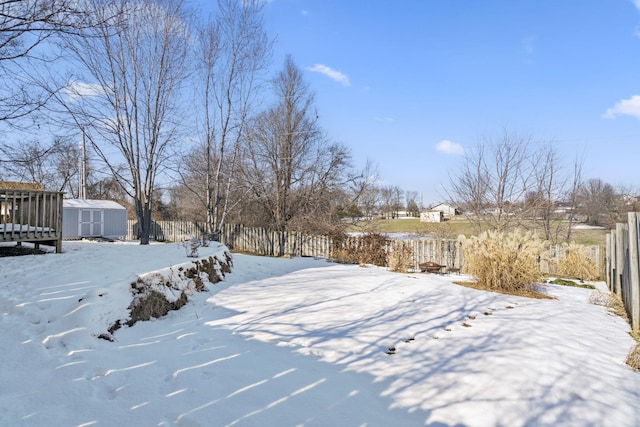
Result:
<point x="31" y="216"/>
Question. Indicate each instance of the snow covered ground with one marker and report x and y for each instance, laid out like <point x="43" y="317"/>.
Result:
<point x="300" y="342"/>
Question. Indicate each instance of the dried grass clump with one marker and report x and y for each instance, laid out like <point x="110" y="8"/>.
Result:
<point x="612" y="301"/>
<point x="343" y="256"/>
<point x="400" y="257"/>
<point x="576" y="262"/>
<point x="504" y="261"/>
<point x="633" y="358"/>
<point x="615" y="305"/>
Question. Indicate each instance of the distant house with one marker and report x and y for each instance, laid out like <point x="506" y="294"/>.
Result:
<point x="448" y="211"/>
<point x="93" y="218"/>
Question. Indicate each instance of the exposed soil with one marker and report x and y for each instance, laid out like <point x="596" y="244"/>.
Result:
<point x="19" y="250"/>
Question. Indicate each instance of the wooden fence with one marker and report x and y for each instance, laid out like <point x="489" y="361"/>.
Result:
<point x="262" y="241"/>
<point x="172" y="231"/>
<point x="622" y="266"/>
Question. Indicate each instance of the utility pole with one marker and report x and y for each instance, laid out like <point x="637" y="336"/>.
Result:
<point x="82" y="184"/>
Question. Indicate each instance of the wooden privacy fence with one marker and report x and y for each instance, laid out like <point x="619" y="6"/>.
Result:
<point x="622" y="266"/>
<point x="262" y="241"/>
<point x="173" y="231"/>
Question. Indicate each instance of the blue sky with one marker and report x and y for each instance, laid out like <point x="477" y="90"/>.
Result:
<point x="410" y="84"/>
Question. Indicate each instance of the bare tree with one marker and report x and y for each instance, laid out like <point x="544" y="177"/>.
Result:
<point x="126" y="95"/>
<point x="551" y="206"/>
<point x="290" y="167"/>
<point x="364" y="191"/>
<point x="602" y="204"/>
<point x="572" y="195"/>
<point x="391" y="200"/>
<point x="233" y="51"/>
<point x="493" y="180"/>
<point x="25" y="25"/>
<point x="412" y="207"/>
<point x="386" y="202"/>
<point x="513" y="182"/>
<point x="53" y="165"/>
<point x="106" y="189"/>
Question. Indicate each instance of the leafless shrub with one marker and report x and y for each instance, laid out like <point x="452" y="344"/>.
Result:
<point x="400" y="257"/>
<point x="367" y="249"/>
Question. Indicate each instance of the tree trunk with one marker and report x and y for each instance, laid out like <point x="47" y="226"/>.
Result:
<point x="143" y="214"/>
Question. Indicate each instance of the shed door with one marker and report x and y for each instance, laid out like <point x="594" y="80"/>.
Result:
<point x="91" y="223"/>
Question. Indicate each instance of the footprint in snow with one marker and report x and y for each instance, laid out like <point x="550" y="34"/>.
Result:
<point x="392" y="349"/>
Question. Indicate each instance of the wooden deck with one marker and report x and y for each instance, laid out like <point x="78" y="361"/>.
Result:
<point x="31" y="216"/>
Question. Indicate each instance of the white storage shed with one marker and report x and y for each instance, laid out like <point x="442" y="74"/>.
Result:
<point x="93" y="218"/>
<point x="432" y="216"/>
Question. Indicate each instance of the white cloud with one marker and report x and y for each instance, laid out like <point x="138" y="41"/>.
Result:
<point x="331" y="73"/>
<point x="449" y="147"/>
<point x="77" y="90"/>
<point x="625" y="107"/>
<point x="636" y="3"/>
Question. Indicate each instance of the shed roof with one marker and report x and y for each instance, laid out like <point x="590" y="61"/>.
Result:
<point x="91" y="204"/>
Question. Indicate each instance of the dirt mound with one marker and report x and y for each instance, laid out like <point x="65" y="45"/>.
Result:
<point x="156" y="294"/>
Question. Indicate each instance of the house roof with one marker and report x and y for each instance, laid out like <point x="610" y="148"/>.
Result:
<point x="443" y="205"/>
<point x="27" y="186"/>
<point x="91" y="204"/>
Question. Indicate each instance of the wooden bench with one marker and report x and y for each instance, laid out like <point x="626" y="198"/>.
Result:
<point x="431" y="267"/>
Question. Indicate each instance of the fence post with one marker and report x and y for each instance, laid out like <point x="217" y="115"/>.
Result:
<point x="634" y="273"/>
<point x="607" y="259"/>
<point x="617" y="280"/>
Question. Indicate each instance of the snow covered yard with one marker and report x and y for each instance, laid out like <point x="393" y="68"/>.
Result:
<point x="300" y="342"/>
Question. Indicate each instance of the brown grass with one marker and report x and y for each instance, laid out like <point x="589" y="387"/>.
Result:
<point x="612" y="301"/>
<point x="615" y="305"/>
<point x="503" y="261"/>
<point x="534" y="292"/>
<point x="576" y="263"/>
<point x="400" y="258"/>
<point x="461" y="226"/>
<point x="633" y="358"/>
